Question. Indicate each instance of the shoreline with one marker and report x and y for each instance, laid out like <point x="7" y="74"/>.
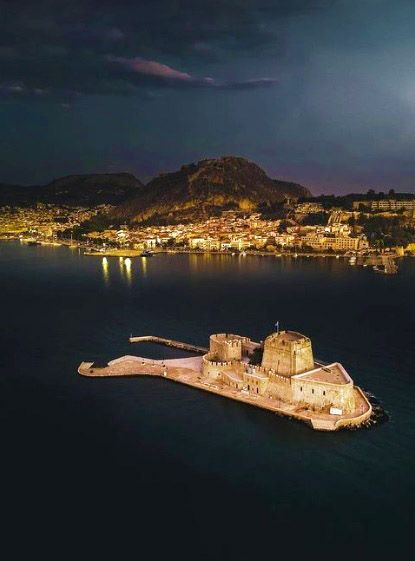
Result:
<point x="125" y="252"/>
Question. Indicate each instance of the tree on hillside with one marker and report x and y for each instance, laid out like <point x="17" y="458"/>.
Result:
<point x="315" y="219"/>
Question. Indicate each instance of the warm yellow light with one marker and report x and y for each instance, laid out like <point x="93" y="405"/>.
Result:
<point x="144" y="264"/>
<point x="105" y="269"/>
<point x="127" y="263"/>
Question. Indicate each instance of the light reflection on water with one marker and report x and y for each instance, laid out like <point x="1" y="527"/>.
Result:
<point x="125" y="270"/>
<point x="128" y="271"/>
<point x="144" y="266"/>
<point x="105" y="270"/>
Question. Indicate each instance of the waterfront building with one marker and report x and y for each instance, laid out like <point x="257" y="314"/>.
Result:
<point x="197" y="242"/>
<point x="383" y="205"/>
<point x="150" y="243"/>
<point x="322" y="242"/>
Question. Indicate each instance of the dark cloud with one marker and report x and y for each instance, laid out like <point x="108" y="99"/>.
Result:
<point x="68" y="48"/>
<point x="340" y="119"/>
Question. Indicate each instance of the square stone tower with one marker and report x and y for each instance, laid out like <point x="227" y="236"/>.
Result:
<point x="288" y="353"/>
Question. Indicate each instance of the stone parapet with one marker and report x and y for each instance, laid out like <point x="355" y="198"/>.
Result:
<point x="213" y="368"/>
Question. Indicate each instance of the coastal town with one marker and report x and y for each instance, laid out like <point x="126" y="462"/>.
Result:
<point x="42" y="221"/>
<point x="297" y="227"/>
<point x="236" y="231"/>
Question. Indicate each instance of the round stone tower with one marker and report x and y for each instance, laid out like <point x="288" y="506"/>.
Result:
<point x="288" y="353"/>
<point x="226" y="346"/>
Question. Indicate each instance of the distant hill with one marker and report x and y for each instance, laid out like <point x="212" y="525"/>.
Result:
<point x="16" y="194"/>
<point x="75" y="190"/>
<point x="194" y="192"/>
<point x="199" y="190"/>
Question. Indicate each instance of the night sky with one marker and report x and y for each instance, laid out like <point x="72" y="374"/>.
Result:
<point x="321" y="91"/>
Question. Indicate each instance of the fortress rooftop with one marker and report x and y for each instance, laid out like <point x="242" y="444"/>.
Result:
<point x="330" y="374"/>
<point x="228" y="337"/>
<point x="288" y="336"/>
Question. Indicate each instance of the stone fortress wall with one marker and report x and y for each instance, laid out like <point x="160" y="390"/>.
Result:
<point x="225" y="354"/>
<point x="232" y="380"/>
<point x="288" y="353"/>
<point x="215" y="369"/>
<point x="287" y="373"/>
<point x="279" y="387"/>
<point x="322" y="395"/>
<point x="227" y="346"/>
<point x="255" y="379"/>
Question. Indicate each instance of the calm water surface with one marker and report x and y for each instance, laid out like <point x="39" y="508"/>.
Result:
<point x="142" y="468"/>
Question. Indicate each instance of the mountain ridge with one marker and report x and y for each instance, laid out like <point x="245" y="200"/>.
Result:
<point x="75" y="190"/>
<point x="203" y="189"/>
<point x="195" y="191"/>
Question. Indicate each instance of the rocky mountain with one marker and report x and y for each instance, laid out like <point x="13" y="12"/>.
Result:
<point x="194" y="192"/>
<point x="75" y="190"/>
<point x="199" y="190"/>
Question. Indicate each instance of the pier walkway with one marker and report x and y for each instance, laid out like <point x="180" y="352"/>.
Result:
<point x="169" y="343"/>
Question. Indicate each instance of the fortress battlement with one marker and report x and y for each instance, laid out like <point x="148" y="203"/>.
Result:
<point x="212" y="360"/>
<point x="278" y="377"/>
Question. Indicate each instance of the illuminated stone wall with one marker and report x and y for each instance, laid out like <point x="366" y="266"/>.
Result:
<point x="288" y="353"/>
<point x="255" y="379"/>
<point x="214" y="369"/>
<point x="226" y="347"/>
<point x="279" y="388"/>
<point x="322" y="396"/>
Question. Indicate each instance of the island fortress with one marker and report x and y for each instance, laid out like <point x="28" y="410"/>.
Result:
<point x="287" y="372"/>
<point x="280" y="375"/>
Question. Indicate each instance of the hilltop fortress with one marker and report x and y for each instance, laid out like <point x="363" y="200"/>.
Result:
<point x="279" y="374"/>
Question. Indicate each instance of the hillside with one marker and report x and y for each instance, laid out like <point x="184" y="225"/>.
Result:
<point x="197" y="191"/>
<point x="75" y="190"/>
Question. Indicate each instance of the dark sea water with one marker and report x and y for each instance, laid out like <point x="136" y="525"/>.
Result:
<point x="143" y="468"/>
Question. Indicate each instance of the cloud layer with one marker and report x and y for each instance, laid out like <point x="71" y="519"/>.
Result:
<point x="66" y="49"/>
<point x="168" y="76"/>
<point x="151" y="84"/>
